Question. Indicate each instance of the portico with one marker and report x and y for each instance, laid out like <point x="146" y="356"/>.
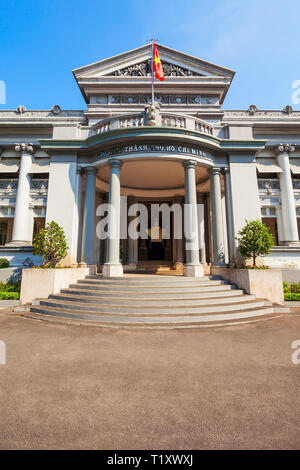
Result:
<point x="124" y="155"/>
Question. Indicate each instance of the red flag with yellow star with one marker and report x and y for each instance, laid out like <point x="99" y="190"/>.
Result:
<point x="157" y="65"/>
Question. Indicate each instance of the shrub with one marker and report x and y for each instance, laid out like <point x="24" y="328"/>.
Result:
<point x="254" y="240"/>
<point x="10" y="287"/>
<point x="28" y="263"/>
<point x="292" y="296"/>
<point x="9" y="295"/>
<point x="4" y="263"/>
<point x="286" y="288"/>
<point x="51" y="244"/>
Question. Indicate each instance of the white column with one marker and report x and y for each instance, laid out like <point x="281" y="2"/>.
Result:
<point x="192" y="267"/>
<point x="22" y="209"/>
<point x="74" y="249"/>
<point x="201" y="229"/>
<point x="229" y="217"/>
<point x="289" y="218"/>
<point x="178" y="242"/>
<point x="112" y="266"/>
<point x="216" y="208"/>
<point x="132" y="244"/>
<point x="88" y="252"/>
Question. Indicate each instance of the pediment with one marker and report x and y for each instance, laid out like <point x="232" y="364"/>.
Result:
<point x="137" y="63"/>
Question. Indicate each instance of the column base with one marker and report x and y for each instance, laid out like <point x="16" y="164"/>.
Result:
<point x="291" y="243"/>
<point x="178" y="266"/>
<point x="19" y="243"/>
<point x="129" y="267"/>
<point x="193" y="270"/>
<point x="112" y="270"/>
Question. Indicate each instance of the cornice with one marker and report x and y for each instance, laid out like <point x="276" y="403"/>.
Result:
<point x="119" y="136"/>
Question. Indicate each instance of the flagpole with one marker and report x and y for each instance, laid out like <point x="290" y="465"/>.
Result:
<point x="152" y="68"/>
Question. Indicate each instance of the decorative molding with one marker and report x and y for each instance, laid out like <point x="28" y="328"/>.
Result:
<point x="151" y="114"/>
<point x="288" y="109"/>
<point x="21" y="109"/>
<point x="252" y="109"/>
<point x="189" y="163"/>
<point x="40" y="185"/>
<point x="41" y="114"/>
<point x="24" y="147"/>
<point x="56" y="109"/>
<point x="8" y="185"/>
<point x="143" y="69"/>
<point x="261" y="115"/>
<point x="284" y="148"/>
<point x="178" y="99"/>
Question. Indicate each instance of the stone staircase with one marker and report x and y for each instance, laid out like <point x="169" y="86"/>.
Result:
<point x="152" y="301"/>
<point x="158" y="267"/>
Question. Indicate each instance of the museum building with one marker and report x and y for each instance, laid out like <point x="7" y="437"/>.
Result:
<point x="228" y="165"/>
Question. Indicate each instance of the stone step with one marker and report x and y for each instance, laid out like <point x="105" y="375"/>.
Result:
<point x="155" y="289"/>
<point x="124" y="295"/>
<point x="156" y="279"/>
<point x="154" y="301"/>
<point x="157" y="310"/>
<point x="170" y="321"/>
<point x="178" y="282"/>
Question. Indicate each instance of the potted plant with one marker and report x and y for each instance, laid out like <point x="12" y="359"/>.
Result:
<point x="254" y="240"/>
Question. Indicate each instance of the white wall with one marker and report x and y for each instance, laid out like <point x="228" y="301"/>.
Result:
<point x="61" y="204"/>
<point x="244" y="189"/>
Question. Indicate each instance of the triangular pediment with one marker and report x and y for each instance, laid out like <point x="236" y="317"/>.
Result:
<point x="137" y="62"/>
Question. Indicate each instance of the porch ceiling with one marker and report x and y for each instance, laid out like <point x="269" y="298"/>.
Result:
<point x="153" y="174"/>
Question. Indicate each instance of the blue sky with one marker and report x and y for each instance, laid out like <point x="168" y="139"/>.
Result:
<point x="42" y="41"/>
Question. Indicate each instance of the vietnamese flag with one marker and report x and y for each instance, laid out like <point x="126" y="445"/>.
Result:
<point x="157" y="65"/>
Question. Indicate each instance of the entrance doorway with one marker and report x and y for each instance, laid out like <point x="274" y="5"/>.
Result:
<point x="155" y="247"/>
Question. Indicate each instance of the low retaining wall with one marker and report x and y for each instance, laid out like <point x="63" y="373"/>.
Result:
<point x="40" y="283"/>
<point x="10" y="274"/>
<point x="263" y="283"/>
<point x="283" y="257"/>
<point x="291" y="275"/>
<point x="16" y="255"/>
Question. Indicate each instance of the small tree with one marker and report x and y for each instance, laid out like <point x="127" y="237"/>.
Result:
<point x="255" y="239"/>
<point x="51" y="244"/>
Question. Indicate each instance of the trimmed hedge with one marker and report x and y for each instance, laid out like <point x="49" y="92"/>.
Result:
<point x="10" y="291"/>
<point x="9" y="295"/>
<point x="292" y="296"/>
<point x="4" y="263"/>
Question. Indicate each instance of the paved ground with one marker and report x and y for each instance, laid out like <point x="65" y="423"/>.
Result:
<point x="210" y="388"/>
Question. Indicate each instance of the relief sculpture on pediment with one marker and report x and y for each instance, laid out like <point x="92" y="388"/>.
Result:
<point x="144" y="69"/>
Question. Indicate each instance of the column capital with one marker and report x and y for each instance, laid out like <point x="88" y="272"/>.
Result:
<point x="214" y="170"/>
<point x="90" y="170"/>
<point x="189" y="163"/>
<point x="284" y="148"/>
<point x="226" y="170"/>
<point x="24" y="147"/>
<point x="115" y="163"/>
<point x="79" y="170"/>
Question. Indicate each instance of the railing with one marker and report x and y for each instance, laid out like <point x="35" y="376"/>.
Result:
<point x="172" y="120"/>
<point x="179" y="121"/>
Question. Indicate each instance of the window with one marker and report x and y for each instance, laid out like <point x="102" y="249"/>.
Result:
<point x="39" y="222"/>
<point x="271" y="223"/>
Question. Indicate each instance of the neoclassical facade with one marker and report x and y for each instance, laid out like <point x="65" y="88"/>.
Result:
<point x="228" y="166"/>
